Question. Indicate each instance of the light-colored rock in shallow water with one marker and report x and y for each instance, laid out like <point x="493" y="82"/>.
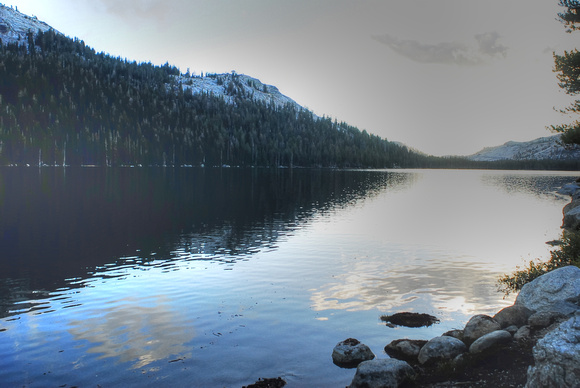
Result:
<point x="558" y="290"/>
<point x="490" y="341"/>
<point x="478" y="326"/>
<point x="441" y="349"/>
<point x="557" y="357"/>
<point x="350" y="352"/>
<point x="382" y="373"/>
<point x="513" y="315"/>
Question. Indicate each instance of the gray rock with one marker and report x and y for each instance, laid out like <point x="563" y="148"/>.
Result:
<point x="456" y="333"/>
<point x="558" y="290"/>
<point x="571" y="214"/>
<point x="523" y="333"/>
<point x="490" y="341"/>
<point x="478" y="326"/>
<point x="513" y="329"/>
<point x="405" y="349"/>
<point x="569" y="189"/>
<point x="440" y="349"/>
<point x="382" y="373"/>
<point x="557" y="357"/>
<point x="513" y="315"/>
<point x="350" y="352"/>
<point x="543" y="319"/>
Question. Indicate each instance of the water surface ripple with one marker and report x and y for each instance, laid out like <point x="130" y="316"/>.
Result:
<point x="217" y="277"/>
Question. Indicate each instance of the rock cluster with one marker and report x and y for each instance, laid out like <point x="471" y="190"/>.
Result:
<point x="572" y="210"/>
<point x="549" y="304"/>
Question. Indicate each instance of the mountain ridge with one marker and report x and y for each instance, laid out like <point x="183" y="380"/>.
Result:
<point x="543" y="148"/>
<point x="63" y="103"/>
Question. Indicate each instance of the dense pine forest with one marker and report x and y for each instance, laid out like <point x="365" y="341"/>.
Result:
<point x="61" y="103"/>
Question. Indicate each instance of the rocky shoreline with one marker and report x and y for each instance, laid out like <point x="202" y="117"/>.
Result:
<point x="533" y="343"/>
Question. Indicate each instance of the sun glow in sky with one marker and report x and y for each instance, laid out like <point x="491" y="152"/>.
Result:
<point x="445" y="77"/>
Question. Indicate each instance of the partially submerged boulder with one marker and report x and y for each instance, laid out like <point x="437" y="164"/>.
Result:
<point x="439" y="349"/>
<point x="383" y="373"/>
<point x="558" y="290"/>
<point x="351" y="352"/>
<point x="557" y="357"/>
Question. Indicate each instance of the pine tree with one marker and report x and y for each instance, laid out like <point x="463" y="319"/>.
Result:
<point x="567" y="67"/>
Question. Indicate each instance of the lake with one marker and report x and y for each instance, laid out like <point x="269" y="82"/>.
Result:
<point x="217" y="277"/>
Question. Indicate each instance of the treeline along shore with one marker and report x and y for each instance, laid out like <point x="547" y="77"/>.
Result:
<point x="62" y="103"/>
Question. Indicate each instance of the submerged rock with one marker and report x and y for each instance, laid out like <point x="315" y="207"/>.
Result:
<point x="350" y="352"/>
<point x="267" y="383"/>
<point x="383" y="373"/>
<point x="410" y="319"/>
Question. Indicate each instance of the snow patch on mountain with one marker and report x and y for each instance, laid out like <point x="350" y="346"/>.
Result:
<point x="543" y="148"/>
<point x="14" y="26"/>
<point x="229" y="85"/>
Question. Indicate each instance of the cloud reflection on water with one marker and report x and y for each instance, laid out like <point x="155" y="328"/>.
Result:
<point x="134" y="330"/>
<point x="450" y="286"/>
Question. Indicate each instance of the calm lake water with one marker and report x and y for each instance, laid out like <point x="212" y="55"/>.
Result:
<point x="218" y="277"/>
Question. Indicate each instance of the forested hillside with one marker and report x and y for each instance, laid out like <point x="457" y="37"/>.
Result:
<point x="63" y="103"/>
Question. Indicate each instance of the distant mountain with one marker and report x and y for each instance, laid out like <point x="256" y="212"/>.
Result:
<point x="543" y="148"/>
<point x="65" y="104"/>
<point x="15" y="27"/>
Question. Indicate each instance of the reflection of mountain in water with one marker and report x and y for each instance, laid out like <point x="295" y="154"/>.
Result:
<point x="57" y="225"/>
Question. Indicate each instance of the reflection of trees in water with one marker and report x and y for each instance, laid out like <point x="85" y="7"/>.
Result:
<point x="66" y="224"/>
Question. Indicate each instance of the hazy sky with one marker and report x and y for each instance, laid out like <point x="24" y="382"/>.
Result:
<point x="443" y="76"/>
